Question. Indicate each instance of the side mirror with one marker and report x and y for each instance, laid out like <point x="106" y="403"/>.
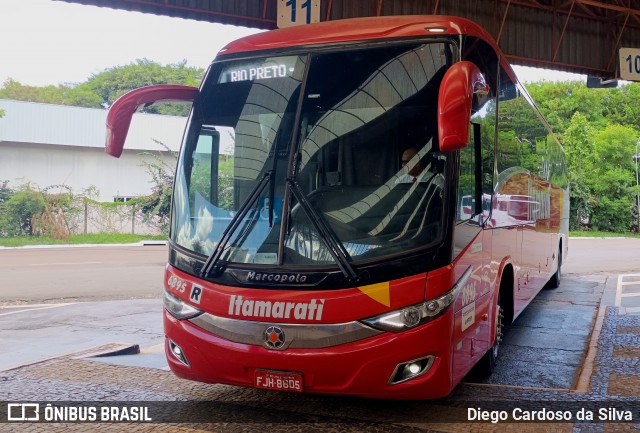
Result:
<point x="121" y="112"/>
<point x="455" y="100"/>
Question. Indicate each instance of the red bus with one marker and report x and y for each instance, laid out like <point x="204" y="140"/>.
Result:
<point x="360" y="207"/>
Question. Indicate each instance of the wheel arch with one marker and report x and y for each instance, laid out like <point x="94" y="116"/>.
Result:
<point x="506" y="284"/>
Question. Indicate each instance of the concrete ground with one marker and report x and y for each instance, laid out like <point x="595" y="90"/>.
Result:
<point x="574" y="349"/>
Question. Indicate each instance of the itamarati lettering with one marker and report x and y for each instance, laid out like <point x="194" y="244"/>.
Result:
<point x="276" y="310"/>
<point x="276" y="278"/>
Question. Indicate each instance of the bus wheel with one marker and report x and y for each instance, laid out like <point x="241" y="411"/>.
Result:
<point x="554" y="282"/>
<point x="487" y="364"/>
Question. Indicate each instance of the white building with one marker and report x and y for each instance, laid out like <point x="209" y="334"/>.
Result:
<point x="48" y="145"/>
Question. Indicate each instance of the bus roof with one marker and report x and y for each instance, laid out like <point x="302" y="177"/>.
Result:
<point x="359" y="29"/>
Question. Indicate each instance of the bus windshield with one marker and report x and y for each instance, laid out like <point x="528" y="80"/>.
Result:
<point x="315" y="158"/>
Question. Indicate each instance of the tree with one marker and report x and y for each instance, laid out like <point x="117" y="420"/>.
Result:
<point x="558" y="101"/>
<point x="621" y="105"/>
<point x="104" y="88"/>
<point x="579" y="148"/>
<point x="12" y="89"/>
<point x="611" y="177"/>
<point x="114" y="82"/>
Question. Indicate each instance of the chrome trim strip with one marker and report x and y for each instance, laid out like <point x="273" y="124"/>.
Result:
<point x="298" y="336"/>
<point x="457" y="287"/>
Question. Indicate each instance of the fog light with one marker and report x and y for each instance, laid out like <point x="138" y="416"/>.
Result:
<point x="410" y="370"/>
<point x="177" y="352"/>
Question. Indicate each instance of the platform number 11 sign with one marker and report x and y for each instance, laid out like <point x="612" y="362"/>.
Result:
<point x="296" y="12"/>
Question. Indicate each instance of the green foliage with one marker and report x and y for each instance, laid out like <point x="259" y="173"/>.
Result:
<point x="612" y="214"/>
<point x="157" y="205"/>
<point x="29" y="211"/>
<point x="114" y="82"/>
<point x="105" y="87"/>
<point x="579" y="142"/>
<point x="559" y="101"/>
<point x="60" y="210"/>
<point x="593" y="233"/>
<point x="621" y="105"/>
<point x="599" y="129"/>
<point x="612" y="178"/>
<point x="18" y="211"/>
<point x="12" y="89"/>
<point x="5" y="191"/>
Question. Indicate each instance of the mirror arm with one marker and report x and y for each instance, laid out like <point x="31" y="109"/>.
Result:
<point x="121" y="112"/>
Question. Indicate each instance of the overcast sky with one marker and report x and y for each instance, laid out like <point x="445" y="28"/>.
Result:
<point x="52" y="42"/>
<point x="46" y="42"/>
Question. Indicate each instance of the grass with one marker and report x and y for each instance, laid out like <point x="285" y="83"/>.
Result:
<point x="98" y="238"/>
<point x="120" y="238"/>
<point x="595" y="234"/>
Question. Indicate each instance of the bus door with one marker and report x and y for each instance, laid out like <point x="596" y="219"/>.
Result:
<point x="472" y="246"/>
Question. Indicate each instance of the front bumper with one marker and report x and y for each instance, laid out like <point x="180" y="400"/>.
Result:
<point x="362" y="368"/>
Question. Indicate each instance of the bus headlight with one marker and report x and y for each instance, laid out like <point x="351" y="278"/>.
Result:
<point x="178" y="308"/>
<point x="414" y="315"/>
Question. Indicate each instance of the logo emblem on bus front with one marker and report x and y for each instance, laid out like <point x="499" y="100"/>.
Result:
<point x="274" y="338"/>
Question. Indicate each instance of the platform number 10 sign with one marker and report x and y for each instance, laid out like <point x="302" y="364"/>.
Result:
<point x="296" y="12"/>
<point x="630" y="64"/>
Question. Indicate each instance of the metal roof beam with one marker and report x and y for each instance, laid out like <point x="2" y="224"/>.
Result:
<point x="617" y="45"/>
<point x="564" y="28"/>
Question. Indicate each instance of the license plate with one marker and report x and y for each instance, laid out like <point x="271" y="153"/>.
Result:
<point x="278" y="380"/>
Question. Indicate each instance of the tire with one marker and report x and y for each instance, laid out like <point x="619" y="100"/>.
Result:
<point x="487" y="364"/>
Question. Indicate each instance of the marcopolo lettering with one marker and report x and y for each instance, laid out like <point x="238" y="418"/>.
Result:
<point x="276" y="278"/>
<point x="238" y="306"/>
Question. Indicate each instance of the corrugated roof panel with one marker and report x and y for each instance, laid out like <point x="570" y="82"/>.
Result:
<point x="529" y="35"/>
<point x="406" y="7"/>
<point x="247" y="13"/>
<point x="30" y="122"/>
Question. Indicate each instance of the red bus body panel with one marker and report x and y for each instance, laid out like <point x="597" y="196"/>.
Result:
<point x="363" y="367"/>
<point x="356" y="29"/>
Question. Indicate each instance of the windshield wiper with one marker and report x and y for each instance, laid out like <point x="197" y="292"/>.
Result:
<point x="336" y="248"/>
<point x="212" y="260"/>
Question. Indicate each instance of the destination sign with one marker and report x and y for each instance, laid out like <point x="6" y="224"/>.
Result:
<point x="260" y="73"/>
<point x="262" y="69"/>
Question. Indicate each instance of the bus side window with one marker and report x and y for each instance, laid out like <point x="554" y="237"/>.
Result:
<point x="467" y="183"/>
<point x="475" y="184"/>
<point x="484" y="114"/>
